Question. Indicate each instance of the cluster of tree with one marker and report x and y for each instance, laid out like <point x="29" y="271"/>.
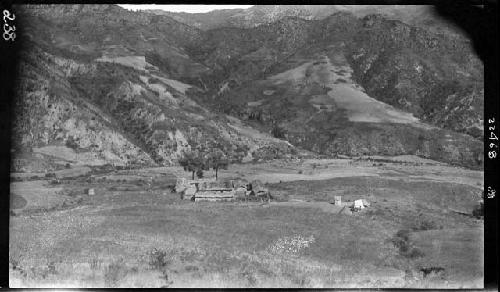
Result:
<point x="196" y="161"/>
<point x="278" y="132"/>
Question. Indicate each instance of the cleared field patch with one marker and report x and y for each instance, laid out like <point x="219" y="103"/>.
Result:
<point x="17" y="201"/>
<point x="140" y="63"/>
<point x="177" y="85"/>
<point x="362" y="108"/>
<point x="61" y="152"/>
<point x="37" y="194"/>
<point x="136" y="62"/>
<point x="296" y="74"/>
<point x="321" y="99"/>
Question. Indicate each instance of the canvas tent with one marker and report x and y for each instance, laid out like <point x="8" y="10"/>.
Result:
<point x="358" y="204"/>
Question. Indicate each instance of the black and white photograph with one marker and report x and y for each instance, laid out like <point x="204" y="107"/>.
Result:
<point x="247" y="146"/>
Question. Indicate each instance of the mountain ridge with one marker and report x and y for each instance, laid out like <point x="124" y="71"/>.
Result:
<point x="417" y="15"/>
<point x="162" y="86"/>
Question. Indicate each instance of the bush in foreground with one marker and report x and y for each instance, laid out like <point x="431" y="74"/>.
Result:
<point x="401" y="240"/>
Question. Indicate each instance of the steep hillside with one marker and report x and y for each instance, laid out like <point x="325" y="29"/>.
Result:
<point x="109" y="103"/>
<point x="87" y="32"/>
<point x="53" y="120"/>
<point x="435" y="77"/>
<point x="115" y="86"/>
<point x="104" y="112"/>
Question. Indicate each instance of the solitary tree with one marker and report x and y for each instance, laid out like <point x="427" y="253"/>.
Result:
<point x="216" y="160"/>
<point x="192" y="161"/>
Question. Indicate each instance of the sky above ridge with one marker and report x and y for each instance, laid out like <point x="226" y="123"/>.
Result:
<point x="200" y="8"/>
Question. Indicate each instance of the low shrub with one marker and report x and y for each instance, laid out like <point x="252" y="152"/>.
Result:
<point x="17" y="267"/>
<point x="51" y="268"/>
<point x="401" y="241"/>
<point x="71" y="143"/>
<point x="414" y="253"/>
<point x="478" y="211"/>
<point x="404" y="234"/>
<point x="158" y="259"/>
<point x="424" y="224"/>
<point x="430" y="272"/>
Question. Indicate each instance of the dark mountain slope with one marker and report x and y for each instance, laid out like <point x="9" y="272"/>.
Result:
<point x="87" y="32"/>
<point x="94" y="102"/>
<point x="340" y="85"/>
<point x="436" y="77"/>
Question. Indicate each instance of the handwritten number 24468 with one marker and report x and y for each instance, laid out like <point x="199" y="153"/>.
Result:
<point x="8" y="31"/>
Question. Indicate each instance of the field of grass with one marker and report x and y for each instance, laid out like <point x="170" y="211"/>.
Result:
<point x="139" y="234"/>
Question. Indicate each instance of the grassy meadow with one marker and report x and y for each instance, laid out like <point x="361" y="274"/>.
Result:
<point x="135" y="233"/>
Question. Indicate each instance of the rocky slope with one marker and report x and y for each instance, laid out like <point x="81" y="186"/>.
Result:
<point x="105" y="101"/>
<point x="413" y="69"/>
<point x="134" y="88"/>
<point x="436" y="77"/>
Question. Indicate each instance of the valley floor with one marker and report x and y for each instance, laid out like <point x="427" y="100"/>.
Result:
<point x="139" y="234"/>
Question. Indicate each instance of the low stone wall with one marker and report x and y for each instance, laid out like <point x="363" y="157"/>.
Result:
<point x="214" y="195"/>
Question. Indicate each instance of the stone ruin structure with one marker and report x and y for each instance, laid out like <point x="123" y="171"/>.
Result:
<point x="212" y="190"/>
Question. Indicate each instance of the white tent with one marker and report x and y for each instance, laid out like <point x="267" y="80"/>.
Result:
<point x="358" y="204"/>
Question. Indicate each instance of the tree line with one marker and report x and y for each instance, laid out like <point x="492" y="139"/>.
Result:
<point x="196" y="161"/>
